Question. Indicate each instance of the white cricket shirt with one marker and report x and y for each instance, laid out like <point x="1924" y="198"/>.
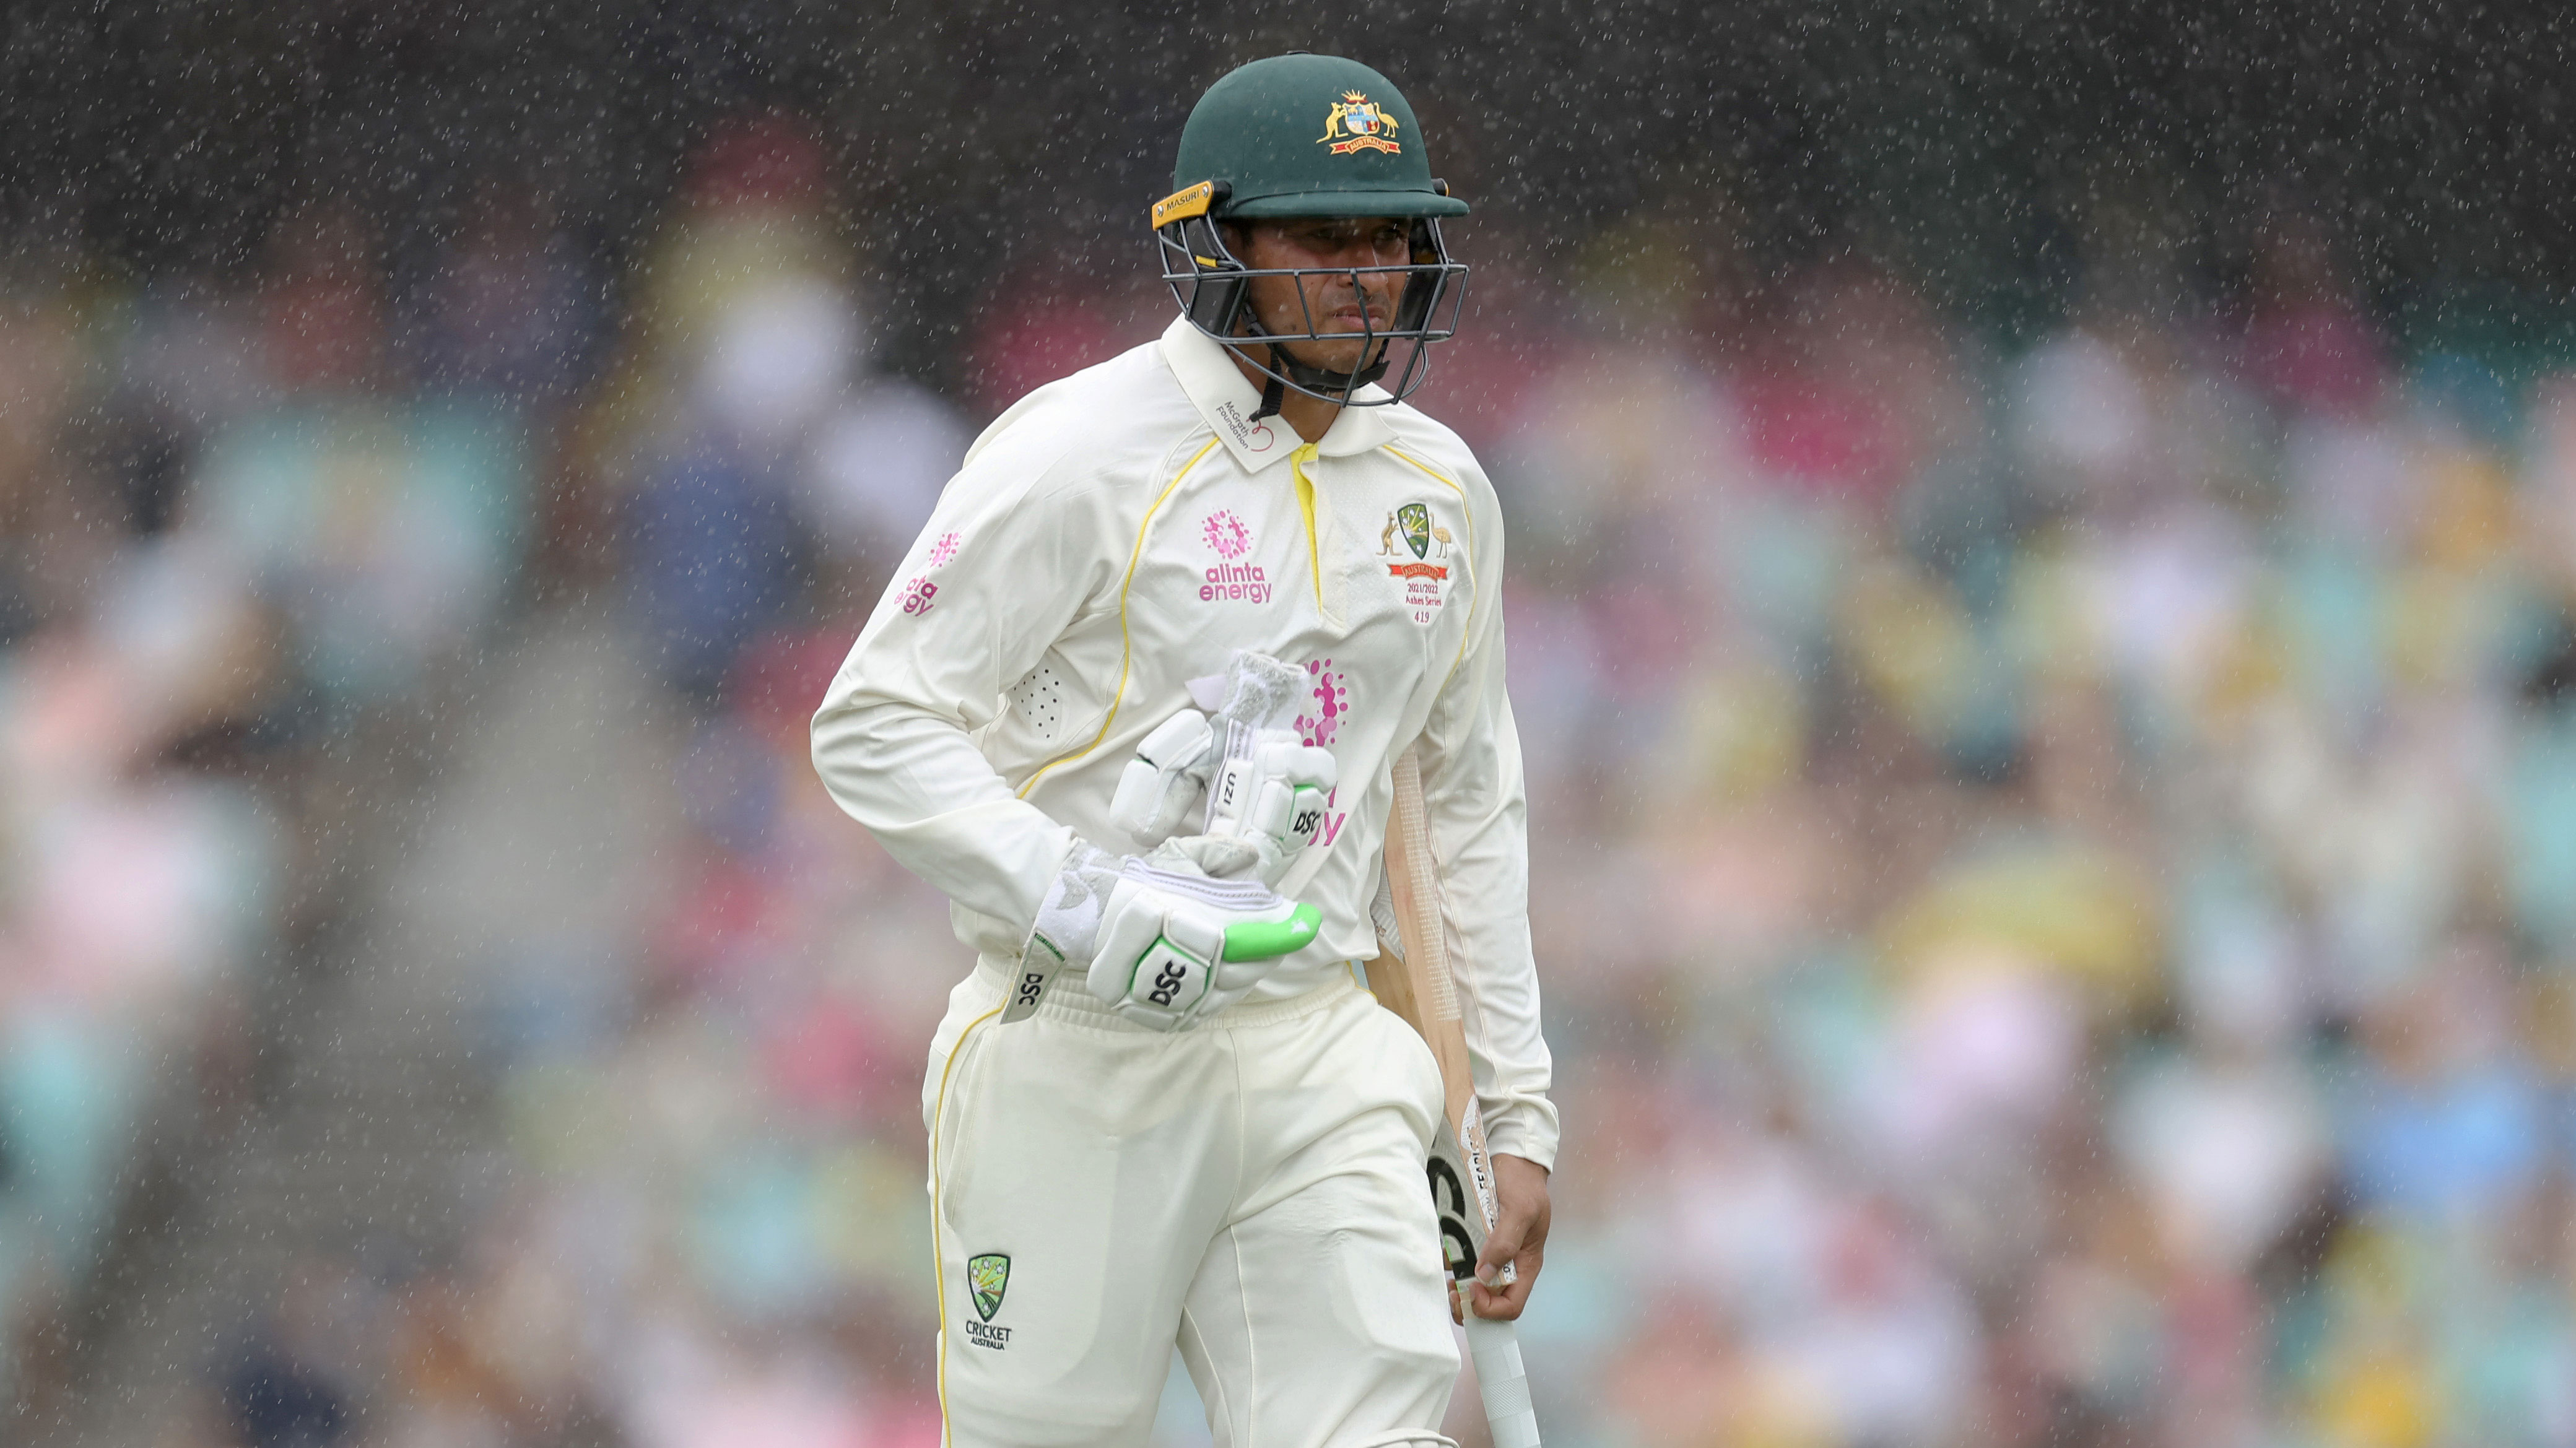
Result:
<point x="1123" y="531"/>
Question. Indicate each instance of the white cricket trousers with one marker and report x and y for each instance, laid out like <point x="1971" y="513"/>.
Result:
<point x="1251" y="1190"/>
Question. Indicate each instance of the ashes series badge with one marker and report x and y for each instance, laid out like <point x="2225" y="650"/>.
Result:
<point x="987" y="1278"/>
<point x="1426" y="581"/>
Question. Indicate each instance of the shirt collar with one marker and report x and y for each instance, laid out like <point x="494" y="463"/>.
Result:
<point x="1218" y="389"/>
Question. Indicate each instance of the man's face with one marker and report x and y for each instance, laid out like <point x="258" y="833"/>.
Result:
<point x="1331" y="301"/>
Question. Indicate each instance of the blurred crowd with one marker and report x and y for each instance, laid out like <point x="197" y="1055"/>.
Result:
<point x="236" y="557"/>
<point x="2056" y="879"/>
<point x="2055" y="861"/>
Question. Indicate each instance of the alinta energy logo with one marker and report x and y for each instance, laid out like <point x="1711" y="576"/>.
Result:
<point x="1226" y="534"/>
<point x="1332" y="696"/>
<point x="1230" y="580"/>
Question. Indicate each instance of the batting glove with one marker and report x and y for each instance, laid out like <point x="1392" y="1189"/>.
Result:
<point x="1158" y="940"/>
<point x="1266" y="788"/>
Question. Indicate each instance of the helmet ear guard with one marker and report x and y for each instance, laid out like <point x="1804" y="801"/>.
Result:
<point x="1209" y="282"/>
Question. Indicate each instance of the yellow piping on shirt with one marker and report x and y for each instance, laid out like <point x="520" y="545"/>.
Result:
<point x="938" y="1262"/>
<point x="1297" y="461"/>
<point x="1126" y="645"/>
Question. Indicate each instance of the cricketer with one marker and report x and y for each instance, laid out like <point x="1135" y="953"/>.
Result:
<point x="1132" y="701"/>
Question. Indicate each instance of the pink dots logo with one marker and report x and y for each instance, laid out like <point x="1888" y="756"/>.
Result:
<point x="1332" y="701"/>
<point x="1226" y="534"/>
<point x="943" y="550"/>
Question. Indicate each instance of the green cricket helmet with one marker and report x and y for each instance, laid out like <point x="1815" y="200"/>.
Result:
<point x="1295" y="136"/>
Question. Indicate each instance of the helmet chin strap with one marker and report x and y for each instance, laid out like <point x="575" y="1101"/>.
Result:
<point x="1285" y="368"/>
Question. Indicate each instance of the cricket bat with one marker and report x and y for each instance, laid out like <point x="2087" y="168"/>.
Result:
<point x="1418" y="986"/>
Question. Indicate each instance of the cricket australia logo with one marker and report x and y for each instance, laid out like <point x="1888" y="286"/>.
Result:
<point x="987" y="1277"/>
<point x="1357" y="123"/>
<point x="1425" y="575"/>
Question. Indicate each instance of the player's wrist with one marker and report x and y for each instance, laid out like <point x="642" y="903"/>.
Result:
<point x="1067" y="928"/>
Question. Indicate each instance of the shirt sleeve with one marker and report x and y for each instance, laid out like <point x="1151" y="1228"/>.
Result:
<point x="1474" y="800"/>
<point x="995" y="578"/>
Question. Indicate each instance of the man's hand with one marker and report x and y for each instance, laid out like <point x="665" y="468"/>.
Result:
<point x="1520" y="1238"/>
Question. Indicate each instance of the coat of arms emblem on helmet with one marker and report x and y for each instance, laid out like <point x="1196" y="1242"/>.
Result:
<point x="1357" y="123"/>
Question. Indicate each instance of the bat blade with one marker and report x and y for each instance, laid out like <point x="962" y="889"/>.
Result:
<point x="1418" y="986"/>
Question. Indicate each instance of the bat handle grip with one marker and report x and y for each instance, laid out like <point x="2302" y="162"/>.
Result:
<point x="1270" y="939"/>
<point x="1496" y="1348"/>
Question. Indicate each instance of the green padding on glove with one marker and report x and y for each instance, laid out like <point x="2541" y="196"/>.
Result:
<point x="1268" y="939"/>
